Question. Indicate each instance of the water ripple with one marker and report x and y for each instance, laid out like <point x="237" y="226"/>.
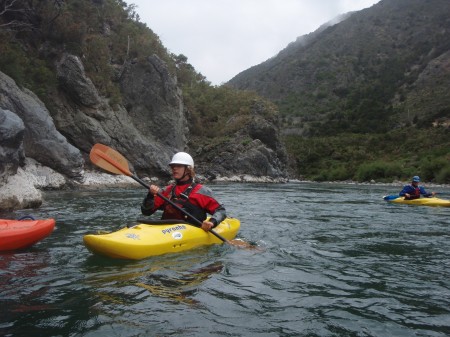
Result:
<point x="333" y="260"/>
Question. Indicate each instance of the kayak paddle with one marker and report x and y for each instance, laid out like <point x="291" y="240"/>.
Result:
<point x="112" y="161"/>
<point x="390" y="197"/>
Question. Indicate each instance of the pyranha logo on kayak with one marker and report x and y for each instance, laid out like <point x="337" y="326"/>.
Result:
<point x="177" y="235"/>
<point x="172" y="229"/>
<point x="133" y="236"/>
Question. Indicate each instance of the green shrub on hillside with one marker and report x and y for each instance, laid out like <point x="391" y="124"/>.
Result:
<point x="218" y="111"/>
<point x="26" y="69"/>
<point x="13" y="61"/>
<point x="436" y="169"/>
<point x="379" y="171"/>
<point x="398" y="154"/>
<point x="443" y="176"/>
<point x="336" y="173"/>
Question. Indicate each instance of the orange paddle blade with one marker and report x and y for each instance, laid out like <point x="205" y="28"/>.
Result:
<point x="242" y="244"/>
<point x="109" y="159"/>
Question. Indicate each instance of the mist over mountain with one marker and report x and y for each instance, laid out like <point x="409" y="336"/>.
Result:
<point x="371" y="71"/>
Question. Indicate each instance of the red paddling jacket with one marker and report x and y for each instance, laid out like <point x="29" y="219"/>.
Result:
<point x="195" y="198"/>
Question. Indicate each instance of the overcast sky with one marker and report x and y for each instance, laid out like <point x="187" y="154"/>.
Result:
<point x="221" y="38"/>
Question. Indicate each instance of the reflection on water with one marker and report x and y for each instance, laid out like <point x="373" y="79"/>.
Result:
<point x="18" y="270"/>
<point x="332" y="260"/>
<point x="179" y="289"/>
<point x="173" y="279"/>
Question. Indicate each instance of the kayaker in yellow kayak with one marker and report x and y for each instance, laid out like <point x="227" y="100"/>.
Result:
<point x="413" y="191"/>
<point x="193" y="197"/>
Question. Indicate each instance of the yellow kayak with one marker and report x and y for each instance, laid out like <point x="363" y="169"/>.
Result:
<point x="157" y="237"/>
<point x="435" y="202"/>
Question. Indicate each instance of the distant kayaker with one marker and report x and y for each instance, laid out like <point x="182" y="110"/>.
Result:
<point x="413" y="191"/>
<point x="193" y="197"/>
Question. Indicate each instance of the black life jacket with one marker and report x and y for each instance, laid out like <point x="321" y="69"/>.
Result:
<point x="182" y="200"/>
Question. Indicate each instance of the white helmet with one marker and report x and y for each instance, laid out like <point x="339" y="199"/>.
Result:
<point x="182" y="158"/>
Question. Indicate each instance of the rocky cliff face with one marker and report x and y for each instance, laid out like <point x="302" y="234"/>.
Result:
<point x="255" y="150"/>
<point x="148" y="128"/>
<point x="12" y="155"/>
<point x="41" y="139"/>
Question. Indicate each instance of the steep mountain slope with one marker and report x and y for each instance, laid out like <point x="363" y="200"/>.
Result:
<point x="381" y="68"/>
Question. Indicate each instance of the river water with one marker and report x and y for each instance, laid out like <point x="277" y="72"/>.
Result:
<point x="331" y="260"/>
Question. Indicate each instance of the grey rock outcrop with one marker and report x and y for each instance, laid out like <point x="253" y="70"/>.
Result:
<point x="74" y="82"/>
<point x="237" y="157"/>
<point x="41" y="141"/>
<point x="255" y="150"/>
<point x="147" y="129"/>
<point x="19" y="192"/>
<point x="154" y="103"/>
<point x="12" y="155"/>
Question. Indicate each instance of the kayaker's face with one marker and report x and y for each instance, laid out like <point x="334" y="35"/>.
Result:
<point x="178" y="172"/>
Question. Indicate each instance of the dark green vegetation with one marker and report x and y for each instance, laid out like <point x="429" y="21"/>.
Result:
<point x="371" y="90"/>
<point x="105" y="34"/>
<point x="381" y="157"/>
<point x="364" y="99"/>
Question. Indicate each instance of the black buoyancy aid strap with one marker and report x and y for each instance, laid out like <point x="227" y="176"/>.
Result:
<point x="183" y="200"/>
<point x="185" y="194"/>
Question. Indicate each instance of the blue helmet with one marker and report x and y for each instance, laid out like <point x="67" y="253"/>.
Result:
<point x="416" y="179"/>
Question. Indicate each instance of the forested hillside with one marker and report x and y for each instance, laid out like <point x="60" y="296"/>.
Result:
<point x="363" y="99"/>
<point x="377" y="83"/>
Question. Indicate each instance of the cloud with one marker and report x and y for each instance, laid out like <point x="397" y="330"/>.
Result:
<point x="221" y="38"/>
